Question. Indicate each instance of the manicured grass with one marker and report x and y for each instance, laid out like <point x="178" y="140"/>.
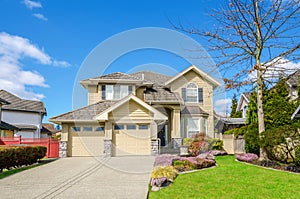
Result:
<point x="7" y="173"/>
<point x="231" y="179"/>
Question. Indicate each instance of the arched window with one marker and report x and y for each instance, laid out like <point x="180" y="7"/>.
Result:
<point x="192" y="92"/>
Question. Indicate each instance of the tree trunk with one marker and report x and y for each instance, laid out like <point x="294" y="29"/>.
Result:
<point x="260" y="113"/>
<point x="260" y="110"/>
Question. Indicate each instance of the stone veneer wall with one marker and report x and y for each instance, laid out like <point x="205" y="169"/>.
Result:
<point x="108" y="148"/>
<point x="63" y="149"/>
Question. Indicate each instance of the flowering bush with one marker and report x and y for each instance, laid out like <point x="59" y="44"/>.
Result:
<point x="206" y="155"/>
<point x="158" y="182"/>
<point x="198" y="147"/>
<point x="246" y="157"/>
<point x="218" y="152"/>
<point x="165" y="160"/>
<point x="191" y="163"/>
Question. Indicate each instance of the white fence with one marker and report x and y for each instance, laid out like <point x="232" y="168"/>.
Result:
<point x="232" y="144"/>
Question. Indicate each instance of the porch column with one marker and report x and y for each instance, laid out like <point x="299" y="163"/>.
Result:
<point x="108" y="145"/>
<point x="63" y="144"/>
<point x="175" y="130"/>
<point x="108" y="130"/>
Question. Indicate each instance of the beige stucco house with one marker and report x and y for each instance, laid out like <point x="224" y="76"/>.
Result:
<point x="135" y="114"/>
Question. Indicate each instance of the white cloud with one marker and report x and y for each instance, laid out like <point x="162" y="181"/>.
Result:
<point x="12" y="77"/>
<point x="32" y="4"/>
<point x="40" y="16"/>
<point x="222" y="106"/>
<point x="279" y="67"/>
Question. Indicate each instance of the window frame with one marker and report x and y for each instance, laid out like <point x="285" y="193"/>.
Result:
<point x="192" y="132"/>
<point x="75" y="127"/>
<point x="131" y="125"/>
<point x="118" y="125"/>
<point x="192" y="92"/>
<point x="145" y="125"/>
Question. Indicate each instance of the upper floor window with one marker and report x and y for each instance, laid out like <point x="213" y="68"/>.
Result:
<point x="115" y="92"/>
<point x="192" y="93"/>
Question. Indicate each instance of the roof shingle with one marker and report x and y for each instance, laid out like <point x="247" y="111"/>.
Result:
<point x="19" y="104"/>
<point x="86" y="113"/>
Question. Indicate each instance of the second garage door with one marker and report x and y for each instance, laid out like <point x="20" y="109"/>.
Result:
<point x="131" y="140"/>
<point x="86" y="145"/>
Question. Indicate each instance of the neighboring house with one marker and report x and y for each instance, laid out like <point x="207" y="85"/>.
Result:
<point x="243" y="103"/>
<point x="48" y="130"/>
<point x="126" y="113"/>
<point x="293" y="82"/>
<point x="6" y="130"/>
<point x="26" y="115"/>
<point x="225" y="124"/>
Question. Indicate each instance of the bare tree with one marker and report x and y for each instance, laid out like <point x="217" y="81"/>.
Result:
<point x="253" y="36"/>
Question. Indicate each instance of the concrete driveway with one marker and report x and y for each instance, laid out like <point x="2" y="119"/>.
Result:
<point x="82" y="177"/>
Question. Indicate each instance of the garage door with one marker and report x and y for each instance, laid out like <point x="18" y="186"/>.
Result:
<point x="86" y="145"/>
<point x="132" y="142"/>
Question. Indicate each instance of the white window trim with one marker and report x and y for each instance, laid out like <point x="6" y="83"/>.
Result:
<point x="196" y="130"/>
<point x="193" y="87"/>
<point x="110" y="93"/>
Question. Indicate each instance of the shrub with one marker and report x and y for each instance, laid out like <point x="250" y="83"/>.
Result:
<point x="165" y="160"/>
<point x="16" y="156"/>
<point x="199" y="137"/>
<point x="187" y="141"/>
<point x="205" y="163"/>
<point x="252" y="139"/>
<point x="246" y="157"/>
<point x="236" y="131"/>
<point x="191" y="163"/>
<point x="216" y="144"/>
<point x="269" y="163"/>
<point x="297" y="155"/>
<point x="168" y="172"/>
<point x="184" y="165"/>
<point x="198" y="147"/>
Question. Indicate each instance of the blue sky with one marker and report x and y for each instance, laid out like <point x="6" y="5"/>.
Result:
<point x="45" y="42"/>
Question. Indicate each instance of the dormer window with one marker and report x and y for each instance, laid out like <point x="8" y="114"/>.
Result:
<point x="192" y="94"/>
<point x="115" y="92"/>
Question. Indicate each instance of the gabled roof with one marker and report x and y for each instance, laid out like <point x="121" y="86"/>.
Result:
<point x="86" y="113"/>
<point x="18" y="104"/>
<point x="244" y="96"/>
<point x="201" y="73"/>
<point x="104" y="115"/>
<point x="117" y="77"/>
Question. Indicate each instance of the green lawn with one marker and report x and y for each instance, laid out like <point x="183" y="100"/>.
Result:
<point x="231" y="179"/>
<point x="7" y="173"/>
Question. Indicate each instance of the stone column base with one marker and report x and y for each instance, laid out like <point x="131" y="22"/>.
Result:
<point x="63" y="145"/>
<point x="177" y="143"/>
<point x="107" y="148"/>
<point x="154" y="147"/>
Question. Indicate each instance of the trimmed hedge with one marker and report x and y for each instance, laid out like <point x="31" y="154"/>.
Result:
<point x="17" y="156"/>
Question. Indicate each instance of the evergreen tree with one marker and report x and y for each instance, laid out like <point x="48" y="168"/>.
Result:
<point x="234" y="113"/>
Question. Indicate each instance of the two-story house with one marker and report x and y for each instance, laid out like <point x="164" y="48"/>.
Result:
<point x="26" y="115"/>
<point x="6" y="130"/>
<point x="128" y="113"/>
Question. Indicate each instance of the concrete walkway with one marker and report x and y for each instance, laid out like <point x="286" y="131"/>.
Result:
<point x="82" y="177"/>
